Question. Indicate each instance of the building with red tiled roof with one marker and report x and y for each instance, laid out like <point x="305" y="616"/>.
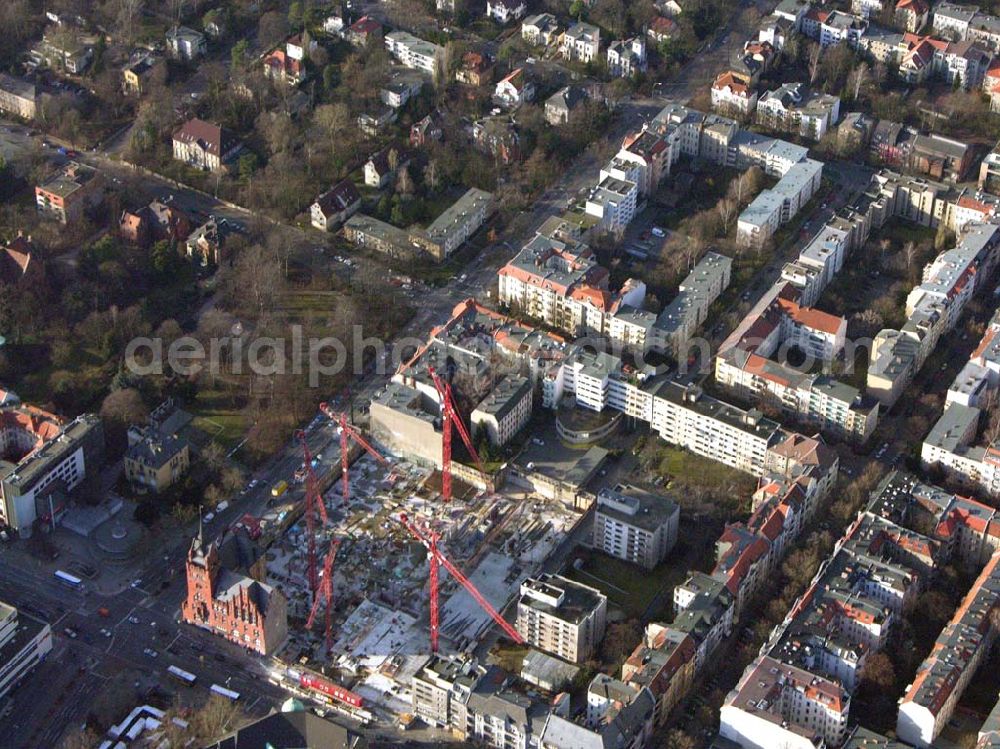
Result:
<point x="20" y="262"/>
<point x="280" y="66"/>
<point x="362" y="30"/>
<point x="662" y="29"/>
<point x="733" y="94"/>
<point x="240" y="608"/>
<point x="941" y="679"/>
<point x="778" y="323"/>
<point x="912" y="15"/>
<point x="204" y="145"/>
<point x="555" y="278"/>
<point x="664" y="663"/>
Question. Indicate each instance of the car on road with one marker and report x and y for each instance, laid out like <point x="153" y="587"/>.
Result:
<point x="133" y="620"/>
<point x="150" y="652"/>
<point x="70" y="633"/>
<point x="658" y="232"/>
<point x="106" y="632"/>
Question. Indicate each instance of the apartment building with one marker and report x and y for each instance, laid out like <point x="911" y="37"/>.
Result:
<point x="205" y="145"/>
<point x="613" y="202"/>
<point x="793" y="108"/>
<point x="627" y="725"/>
<point x="773" y="207"/>
<point x="153" y="461"/>
<point x="581" y="42"/>
<point x="932" y="308"/>
<point x="635" y="525"/>
<point x="44" y="457"/>
<point x="541" y="29"/>
<point x="663" y="663"/>
<point x="186" y="44"/>
<point x="627" y="57"/>
<point x="505" y="11"/>
<point x="779" y="705"/>
<point x="414" y="52"/>
<point x="704" y="609"/>
<point x="733" y="94"/>
<point x="455" y="224"/>
<point x="18" y="97"/>
<point x="834" y="27"/>
<point x="649" y="152"/>
<point x="66" y="53"/>
<point x="562" y="617"/>
<point x="505" y="411"/>
<point x="680" y="318"/>
<point x="335" y="206"/>
<point x="958" y="22"/>
<point x="24" y="643"/>
<point x="961" y="647"/>
<point x="950" y="443"/>
<point x="69" y="192"/>
<point x="441" y="689"/>
<point x="747" y="366"/>
<point x="555" y="278"/>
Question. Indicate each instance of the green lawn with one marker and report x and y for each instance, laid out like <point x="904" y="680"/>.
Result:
<point x="217" y="418"/>
<point x="690" y="468"/>
<point x="626" y="585"/>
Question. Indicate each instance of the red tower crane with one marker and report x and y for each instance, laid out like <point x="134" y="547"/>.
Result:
<point x="429" y="539"/>
<point x="314" y="507"/>
<point x="325" y="591"/>
<point x="449" y="418"/>
<point x="347" y="433"/>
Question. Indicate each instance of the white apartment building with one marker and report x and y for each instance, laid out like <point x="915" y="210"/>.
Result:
<point x="949" y="445"/>
<point x="793" y="108"/>
<point x="777" y="705"/>
<point x="681" y="318"/>
<point x="613" y="201"/>
<point x="687" y="418"/>
<point x="952" y="20"/>
<point x="581" y="42"/>
<point x="626" y="57"/>
<point x="733" y="94"/>
<point x="932" y="309"/>
<point x="24" y="643"/>
<point x="414" y="52"/>
<point x="505" y="411"/>
<point x="505" y="11"/>
<point x="635" y="525"/>
<point x="835" y="27"/>
<point x="541" y="29"/>
<point x="562" y="617"/>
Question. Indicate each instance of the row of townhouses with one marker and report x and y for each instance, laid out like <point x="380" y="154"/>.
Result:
<point x="932" y="308"/>
<point x="950" y="443"/>
<point x="582" y="42"/>
<point x="798" y="692"/>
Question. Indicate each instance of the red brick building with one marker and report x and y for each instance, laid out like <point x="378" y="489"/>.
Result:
<point x="242" y="608"/>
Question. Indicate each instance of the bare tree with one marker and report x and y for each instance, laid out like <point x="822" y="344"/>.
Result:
<point x="815" y="54"/>
<point x="128" y="11"/>
<point x="856" y="79"/>
<point x="404" y="182"/>
<point x="431" y="177"/>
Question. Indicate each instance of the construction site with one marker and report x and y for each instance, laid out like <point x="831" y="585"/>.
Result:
<point x="394" y="561"/>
